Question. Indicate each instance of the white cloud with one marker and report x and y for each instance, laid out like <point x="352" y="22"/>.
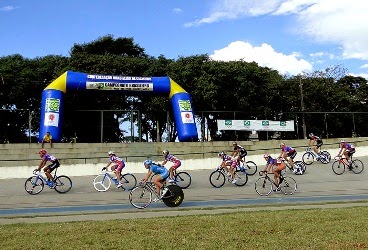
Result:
<point x="339" y="22"/>
<point x="7" y="8"/>
<point x="364" y="66"/>
<point x="264" y="55"/>
<point x="177" y="10"/>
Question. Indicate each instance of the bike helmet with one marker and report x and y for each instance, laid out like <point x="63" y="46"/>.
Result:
<point x="42" y="152"/>
<point x="266" y="155"/>
<point x="311" y="134"/>
<point x="342" y="141"/>
<point x="282" y="144"/>
<point x="147" y="162"/>
<point x="221" y="153"/>
<point x="111" y="153"/>
<point x="234" y="143"/>
<point x="165" y="152"/>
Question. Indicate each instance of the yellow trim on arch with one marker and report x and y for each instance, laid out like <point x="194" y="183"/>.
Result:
<point x="59" y="83"/>
<point x="175" y="88"/>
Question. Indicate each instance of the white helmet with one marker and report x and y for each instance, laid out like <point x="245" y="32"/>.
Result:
<point x="111" y="152"/>
<point x="342" y="141"/>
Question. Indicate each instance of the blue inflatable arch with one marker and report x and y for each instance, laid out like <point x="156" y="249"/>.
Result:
<point x="53" y="96"/>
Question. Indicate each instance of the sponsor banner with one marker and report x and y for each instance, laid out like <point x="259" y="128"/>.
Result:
<point x="120" y="86"/>
<point x="257" y="125"/>
<point x="187" y="117"/>
<point x="185" y="105"/>
<point x="128" y="83"/>
<point x="51" y="119"/>
<point x="52" y="105"/>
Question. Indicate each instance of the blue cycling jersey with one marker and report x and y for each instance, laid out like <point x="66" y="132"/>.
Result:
<point x="156" y="169"/>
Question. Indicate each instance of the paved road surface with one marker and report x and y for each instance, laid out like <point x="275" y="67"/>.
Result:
<point x="318" y="184"/>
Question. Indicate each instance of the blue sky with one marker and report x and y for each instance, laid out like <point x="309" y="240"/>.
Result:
<point x="291" y="36"/>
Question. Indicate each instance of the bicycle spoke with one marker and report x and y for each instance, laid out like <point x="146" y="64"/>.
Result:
<point x="129" y="181"/>
<point x="183" y="179"/>
<point x="338" y="167"/>
<point x="263" y="186"/>
<point x="63" y="184"/>
<point x="140" y="197"/>
<point x="102" y="182"/>
<point x="242" y="178"/>
<point x="357" y="166"/>
<point x="217" y="179"/>
<point x="288" y="185"/>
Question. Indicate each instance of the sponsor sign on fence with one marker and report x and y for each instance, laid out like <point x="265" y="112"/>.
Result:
<point x="257" y="125"/>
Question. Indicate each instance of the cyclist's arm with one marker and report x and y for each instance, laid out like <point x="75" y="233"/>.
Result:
<point x="42" y="164"/>
<point x="310" y="143"/>
<point x="147" y="176"/>
<point x="342" y="150"/>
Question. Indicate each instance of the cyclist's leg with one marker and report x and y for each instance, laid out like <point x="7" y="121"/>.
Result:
<point x="117" y="170"/>
<point x="291" y="159"/>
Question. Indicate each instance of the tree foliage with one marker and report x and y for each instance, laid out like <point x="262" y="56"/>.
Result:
<point x="219" y="90"/>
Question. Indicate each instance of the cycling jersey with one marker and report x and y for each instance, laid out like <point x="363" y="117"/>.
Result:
<point x="242" y="150"/>
<point x="173" y="159"/>
<point x="156" y="169"/>
<point x="54" y="161"/>
<point x="119" y="163"/>
<point x="50" y="158"/>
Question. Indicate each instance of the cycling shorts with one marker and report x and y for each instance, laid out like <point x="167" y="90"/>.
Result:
<point x="118" y="167"/>
<point x="291" y="154"/>
<point x="176" y="165"/>
<point x="53" y="165"/>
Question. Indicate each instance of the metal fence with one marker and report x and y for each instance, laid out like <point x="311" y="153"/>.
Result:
<point x="125" y="125"/>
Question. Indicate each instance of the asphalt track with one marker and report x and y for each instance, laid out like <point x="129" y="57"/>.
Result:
<point x="318" y="185"/>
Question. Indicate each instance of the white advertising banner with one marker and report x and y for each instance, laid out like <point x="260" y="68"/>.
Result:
<point x="257" y="125"/>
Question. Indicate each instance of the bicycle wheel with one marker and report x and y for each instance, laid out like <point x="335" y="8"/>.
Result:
<point x="308" y="158"/>
<point x="288" y="185"/>
<point x="327" y="156"/>
<point x="242" y="178"/>
<point x="301" y="167"/>
<point x="140" y="197"/>
<point x="102" y="182"/>
<point x="338" y="167"/>
<point x="34" y="185"/>
<point x="183" y="179"/>
<point x="357" y="166"/>
<point x="324" y="157"/>
<point x="63" y="184"/>
<point x="129" y="181"/>
<point x="250" y="167"/>
<point x="263" y="186"/>
<point x="217" y="179"/>
<point x="174" y="197"/>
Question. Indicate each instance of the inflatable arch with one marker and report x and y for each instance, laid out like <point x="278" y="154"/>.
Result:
<point x="53" y="95"/>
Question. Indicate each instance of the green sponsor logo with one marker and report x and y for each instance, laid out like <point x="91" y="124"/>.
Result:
<point x="52" y="105"/>
<point x="265" y="123"/>
<point x="228" y="122"/>
<point x="184" y="105"/>
<point x="247" y="123"/>
<point x="282" y="123"/>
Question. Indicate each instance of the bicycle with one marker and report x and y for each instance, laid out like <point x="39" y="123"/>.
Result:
<point x="141" y="195"/>
<point x="35" y="184"/>
<point x="310" y="156"/>
<point x="218" y="177"/>
<point x="298" y="169"/>
<point x="265" y="185"/>
<point x="102" y="181"/>
<point x="249" y="166"/>
<point x="181" y="179"/>
<point x="338" y="166"/>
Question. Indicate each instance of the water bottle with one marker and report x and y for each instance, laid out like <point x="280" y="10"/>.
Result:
<point x="242" y="169"/>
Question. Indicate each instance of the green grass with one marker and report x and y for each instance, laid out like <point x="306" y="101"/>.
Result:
<point x="343" y="228"/>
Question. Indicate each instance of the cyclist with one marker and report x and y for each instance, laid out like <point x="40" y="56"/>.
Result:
<point x="315" y="139"/>
<point x="162" y="174"/>
<point x="229" y="164"/>
<point x="347" y="150"/>
<point x="274" y="166"/>
<point x="173" y="159"/>
<point x="48" y="169"/>
<point x="239" y="152"/>
<point x="119" y="164"/>
<point x="287" y="151"/>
